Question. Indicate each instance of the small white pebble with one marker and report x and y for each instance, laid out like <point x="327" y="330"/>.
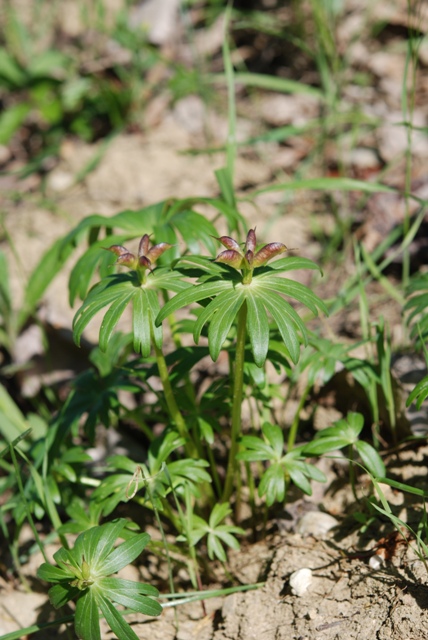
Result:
<point x="376" y="562"/>
<point x="316" y="524"/>
<point x="300" y="581"/>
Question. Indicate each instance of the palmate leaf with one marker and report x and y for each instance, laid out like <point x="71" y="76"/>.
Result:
<point x="117" y="291"/>
<point x="96" y="543"/>
<point x="264" y="297"/>
<point x="168" y="221"/>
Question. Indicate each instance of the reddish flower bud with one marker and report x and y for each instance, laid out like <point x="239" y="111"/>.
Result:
<point x="144" y="262"/>
<point x="231" y="257"/>
<point x="128" y="260"/>
<point x="229" y="243"/>
<point x="268" y="252"/>
<point x="251" y="241"/>
<point x="143" y="247"/>
<point x="155" y="252"/>
<point x="249" y="257"/>
<point x="117" y="249"/>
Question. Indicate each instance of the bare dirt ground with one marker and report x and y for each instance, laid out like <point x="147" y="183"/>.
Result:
<point x="347" y="596"/>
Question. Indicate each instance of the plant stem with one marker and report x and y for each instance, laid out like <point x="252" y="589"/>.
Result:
<point x="171" y="403"/>
<point x="294" y="427"/>
<point x="238" y="384"/>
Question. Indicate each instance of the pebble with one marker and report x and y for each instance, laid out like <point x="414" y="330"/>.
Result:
<point x="316" y="524"/>
<point x="300" y="581"/>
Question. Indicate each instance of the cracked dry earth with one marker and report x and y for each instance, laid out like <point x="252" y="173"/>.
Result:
<point x="346" y="599"/>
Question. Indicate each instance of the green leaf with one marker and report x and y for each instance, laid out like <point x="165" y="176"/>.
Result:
<point x="219" y="513"/>
<point x="47" y="268"/>
<point x="295" y="290"/>
<point x="419" y="393"/>
<point x="298" y="476"/>
<point x="115" y="621"/>
<point x="101" y="295"/>
<point x="125" y="553"/>
<point x="196" y="293"/>
<point x="371" y="459"/>
<point x="329" y="184"/>
<point x="124" y="592"/>
<point x="274" y="435"/>
<point x="11" y="120"/>
<point x="11" y="72"/>
<point x="215" y="548"/>
<point x="120" y="584"/>
<point x="12" y="420"/>
<point x="287" y="319"/>
<point x="256" y="449"/>
<point x="325" y="445"/>
<point x="84" y="269"/>
<point x="271" y="83"/>
<point x="257" y="327"/>
<point x="141" y="324"/>
<point x="272" y="484"/>
<point x="223" y="319"/>
<point x="50" y="573"/>
<point x="356" y="422"/>
<point x="87" y="617"/>
<point x="293" y="263"/>
<point x="112" y="317"/>
<point x="62" y="593"/>
<point x="96" y="543"/>
<point x="153" y="300"/>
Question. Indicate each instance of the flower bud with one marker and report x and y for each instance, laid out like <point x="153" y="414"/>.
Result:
<point x="231" y="257"/>
<point x="127" y="260"/>
<point x="155" y="252"/>
<point x="251" y="241"/>
<point x="143" y="247"/>
<point x="268" y="252"/>
<point x="229" y="243"/>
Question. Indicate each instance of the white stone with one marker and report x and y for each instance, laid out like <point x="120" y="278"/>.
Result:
<point x="316" y="523"/>
<point x="300" y="581"/>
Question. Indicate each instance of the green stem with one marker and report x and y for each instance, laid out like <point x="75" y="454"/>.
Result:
<point x="171" y="403"/>
<point x="294" y="427"/>
<point x="238" y="385"/>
